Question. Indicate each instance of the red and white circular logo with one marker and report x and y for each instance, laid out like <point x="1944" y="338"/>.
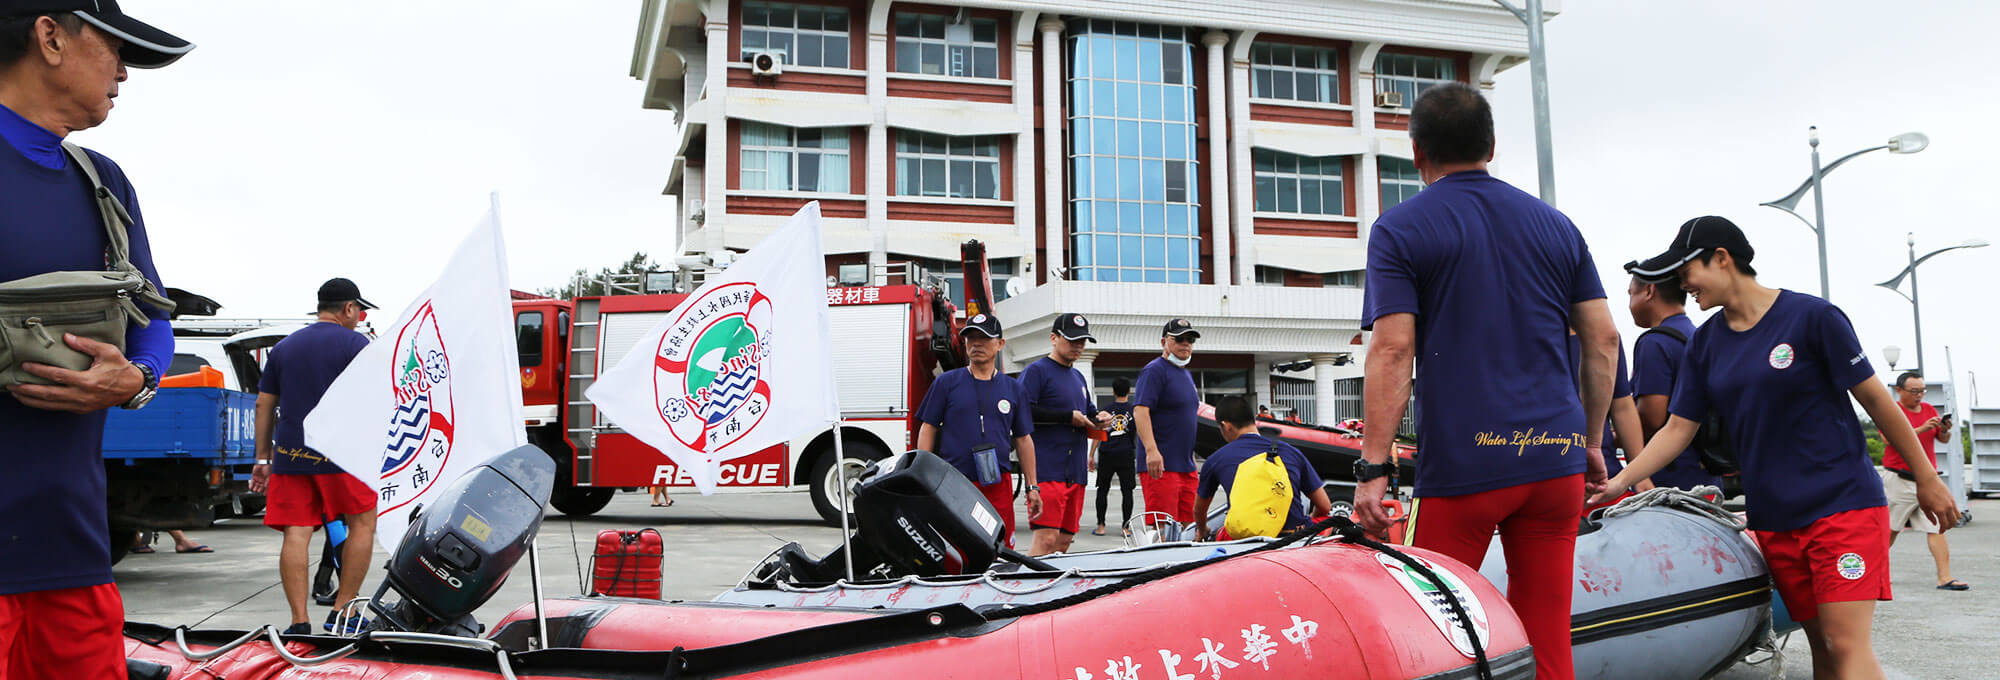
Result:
<point x="1782" y="356"/>
<point x="420" y="433"/>
<point x="709" y="370"/>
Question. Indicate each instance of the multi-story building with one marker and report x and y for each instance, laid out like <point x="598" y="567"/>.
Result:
<point x="1131" y="160"/>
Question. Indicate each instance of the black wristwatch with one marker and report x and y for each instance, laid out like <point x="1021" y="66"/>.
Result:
<point x="1365" y="471"/>
<point x="150" y="384"/>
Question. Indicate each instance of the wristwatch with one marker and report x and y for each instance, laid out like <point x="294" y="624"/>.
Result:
<point x="150" y="384"/>
<point x="1365" y="471"/>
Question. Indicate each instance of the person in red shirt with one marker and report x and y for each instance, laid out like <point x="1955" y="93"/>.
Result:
<point x="1898" y="481"/>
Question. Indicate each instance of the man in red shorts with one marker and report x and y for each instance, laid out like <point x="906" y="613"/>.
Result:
<point x="1165" y="405"/>
<point x="303" y="488"/>
<point x="1484" y="282"/>
<point x="1064" y="414"/>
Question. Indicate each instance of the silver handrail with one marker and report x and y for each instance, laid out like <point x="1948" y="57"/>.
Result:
<point x="278" y="643"/>
<point x="180" y="640"/>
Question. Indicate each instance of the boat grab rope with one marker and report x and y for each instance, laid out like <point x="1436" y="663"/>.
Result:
<point x="1694" y="501"/>
<point x="1345" y="530"/>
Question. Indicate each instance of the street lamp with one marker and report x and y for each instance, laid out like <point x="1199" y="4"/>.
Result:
<point x="1538" y="76"/>
<point x="1892" y="353"/>
<point x="1916" y="309"/>
<point x="1906" y="143"/>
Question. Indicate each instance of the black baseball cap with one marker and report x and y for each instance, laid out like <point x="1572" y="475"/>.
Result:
<point x="342" y="290"/>
<point x="1180" y="327"/>
<point x="983" y="324"/>
<point x="145" y="46"/>
<point x="1697" y="236"/>
<point x="1073" y="327"/>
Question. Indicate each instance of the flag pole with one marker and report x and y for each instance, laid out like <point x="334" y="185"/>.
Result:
<point x="535" y="566"/>
<point x="840" y="463"/>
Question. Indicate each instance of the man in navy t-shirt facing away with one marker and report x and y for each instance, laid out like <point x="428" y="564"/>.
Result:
<point x="1164" y="406"/>
<point x="975" y="415"/>
<point x="1064" y="416"/>
<point x="1218" y="470"/>
<point x="303" y="489"/>
<point x="1477" y="284"/>
<point x="1777" y="367"/>
<point x="1660" y="306"/>
<point x="61" y="63"/>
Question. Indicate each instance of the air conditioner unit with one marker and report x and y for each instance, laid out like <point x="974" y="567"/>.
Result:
<point x="768" y="63"/>
<point x="1389" y="100"/>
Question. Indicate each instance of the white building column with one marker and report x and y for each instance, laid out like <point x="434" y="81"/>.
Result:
<point x="1024" y="143"/>
<point x="1052" y="161"/>
<point x="877" y="167"/>
<point x="1260" y="384"/>
<point x="1369" y="191"/>
<point x="1086" y="364"/>
<point x="716" y="163"/>
<point x="1245" y="202"/>
<point x="1325" y="375"/>
<point x="1218" y="153"/>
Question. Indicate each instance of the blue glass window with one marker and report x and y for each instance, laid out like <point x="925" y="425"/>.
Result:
<point x="1134" y="189"/>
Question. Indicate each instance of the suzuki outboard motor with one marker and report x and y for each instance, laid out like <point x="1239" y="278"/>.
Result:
<point x="459" y="550"/>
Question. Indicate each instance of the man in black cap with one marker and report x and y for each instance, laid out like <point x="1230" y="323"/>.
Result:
<point x="303" y="488"/>
<point x="60" y="66"/>
<point x="1165" y="405"/>
<point x="973" y="416"/>
<point x="1065" y="415"/>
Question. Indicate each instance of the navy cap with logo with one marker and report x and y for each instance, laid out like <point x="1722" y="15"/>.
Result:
<point x="1697" y="236"/>
<point x="982" y="324"/>
<point x="145" y="46"/>
<point x="1178" y="328"/>
<point x="342" y="290"/>
<point x="1073" y="327"/>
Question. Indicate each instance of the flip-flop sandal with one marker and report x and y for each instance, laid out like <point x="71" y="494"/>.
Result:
<point x="1097" y="531"/>
<point x="142" y="550"/>
<point x="668" y="505"/>
<point x="196" y="549"/>
<point x="1955" y="584"/>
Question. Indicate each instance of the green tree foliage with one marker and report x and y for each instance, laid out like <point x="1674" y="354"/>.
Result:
<point x="639" y="263"/>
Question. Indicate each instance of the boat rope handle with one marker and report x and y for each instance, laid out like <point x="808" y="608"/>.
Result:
<point x="278" y="643"/>
<point x="1695" y="501"/>
<point x="180" y="640"/>
<point x="500" y="654"/>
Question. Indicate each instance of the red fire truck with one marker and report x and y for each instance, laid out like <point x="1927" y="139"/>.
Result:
<point x="889" y="342"/>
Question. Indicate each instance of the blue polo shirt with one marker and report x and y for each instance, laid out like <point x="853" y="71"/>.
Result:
<point x="1218" y="470"/>
<point x="1656" y="361"/>
<point x="1169" y="391"/>
<point x="299" y="370"/>
<point x="53" y="532"/>
<point x="1062" y="452"/>
<point x="1781" y="388"/>
<point x="1490" y="273"/>
<point x="969" y="412"/>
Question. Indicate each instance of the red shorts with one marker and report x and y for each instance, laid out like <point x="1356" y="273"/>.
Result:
<point x="1537" y="525"/>
<point x="68" y="633"/>
<point x="311" y="500"/>
<point x="1842" y="557"/>
<point x="1001" y="495"/>
<point x="1062" y="507"/>
<point x="1172" y="493"/>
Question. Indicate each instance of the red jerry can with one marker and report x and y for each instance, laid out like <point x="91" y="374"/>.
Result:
<point x="627" y="564"/>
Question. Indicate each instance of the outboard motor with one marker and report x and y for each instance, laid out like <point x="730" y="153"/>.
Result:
<point x="458" y="551"/>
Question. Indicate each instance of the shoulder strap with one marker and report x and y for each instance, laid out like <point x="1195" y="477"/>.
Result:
<point x="1668" y="331"/>
<point x="117" y="223"/>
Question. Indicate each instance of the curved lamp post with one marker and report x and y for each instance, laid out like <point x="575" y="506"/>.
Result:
<point x="1908" y="142"/>
<point x="1916" y="309"/>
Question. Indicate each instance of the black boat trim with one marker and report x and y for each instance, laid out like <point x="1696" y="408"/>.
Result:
<point x="1515" y="665"/>
<point x="1660" y="612"/>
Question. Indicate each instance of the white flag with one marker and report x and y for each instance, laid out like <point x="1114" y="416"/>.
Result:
<point x="435" y="394"/>
<point x="741" y="365"/>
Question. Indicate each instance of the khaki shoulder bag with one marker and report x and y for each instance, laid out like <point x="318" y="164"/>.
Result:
<point x="36" y="311"/>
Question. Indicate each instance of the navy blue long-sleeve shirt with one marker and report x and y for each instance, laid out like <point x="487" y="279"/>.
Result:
<point x="53" y="531"/>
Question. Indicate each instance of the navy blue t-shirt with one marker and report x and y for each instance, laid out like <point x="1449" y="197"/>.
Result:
<point x="299" y="370"/>
<point x="1169" y="391"/>
<point x="1122" y="438"/>
<point x="53" y="532"/>
<point x="955" y="404"/>
<point x="1656" y="360"/>
<point x="1781" y="388"/>
<point x="1062" y="452"/>
<point x="1218" y="470"/>
<point x="1490" y="273"/>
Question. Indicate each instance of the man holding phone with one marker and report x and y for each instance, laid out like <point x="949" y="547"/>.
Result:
<point x="974" y="416"/>
<point x="1899" y="483"/>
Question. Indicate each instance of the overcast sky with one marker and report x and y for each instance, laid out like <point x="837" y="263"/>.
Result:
<point x="302" y="141"/>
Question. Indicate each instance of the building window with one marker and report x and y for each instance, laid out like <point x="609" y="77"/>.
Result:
<point x="1301" y="185"/>
<point x="1295" y="72"/>
<point x="1270" y="276"/>
<point x="778" y="158"/>
<point x="940" y="165"/>
<point x="1350" y="279"/>
<point x="1413" y="74"/>
<point x="953" y="272"/>
<point x="808" y="35"/>
<point x="1400" y="181"/>
<point x="1134" y="200"/>
<point x="934" y="44"/>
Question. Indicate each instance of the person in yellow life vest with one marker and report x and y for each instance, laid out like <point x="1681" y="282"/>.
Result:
<point x="1264" y="479"/>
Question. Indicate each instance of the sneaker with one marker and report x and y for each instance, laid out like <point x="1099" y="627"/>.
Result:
<point x="355" y="624"/>
<point x="299" y="629"/>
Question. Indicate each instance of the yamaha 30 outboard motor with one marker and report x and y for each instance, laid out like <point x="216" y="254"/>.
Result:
<point x="459" y="550"/>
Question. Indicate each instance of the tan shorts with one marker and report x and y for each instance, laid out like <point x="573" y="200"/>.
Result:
<point x="1903" y="508"/>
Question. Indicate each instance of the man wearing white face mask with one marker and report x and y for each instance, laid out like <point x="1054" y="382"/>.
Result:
<point x="1164" y="407"/>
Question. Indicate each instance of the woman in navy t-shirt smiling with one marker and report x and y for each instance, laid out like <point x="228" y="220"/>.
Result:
<point x="1778" y="367"/>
